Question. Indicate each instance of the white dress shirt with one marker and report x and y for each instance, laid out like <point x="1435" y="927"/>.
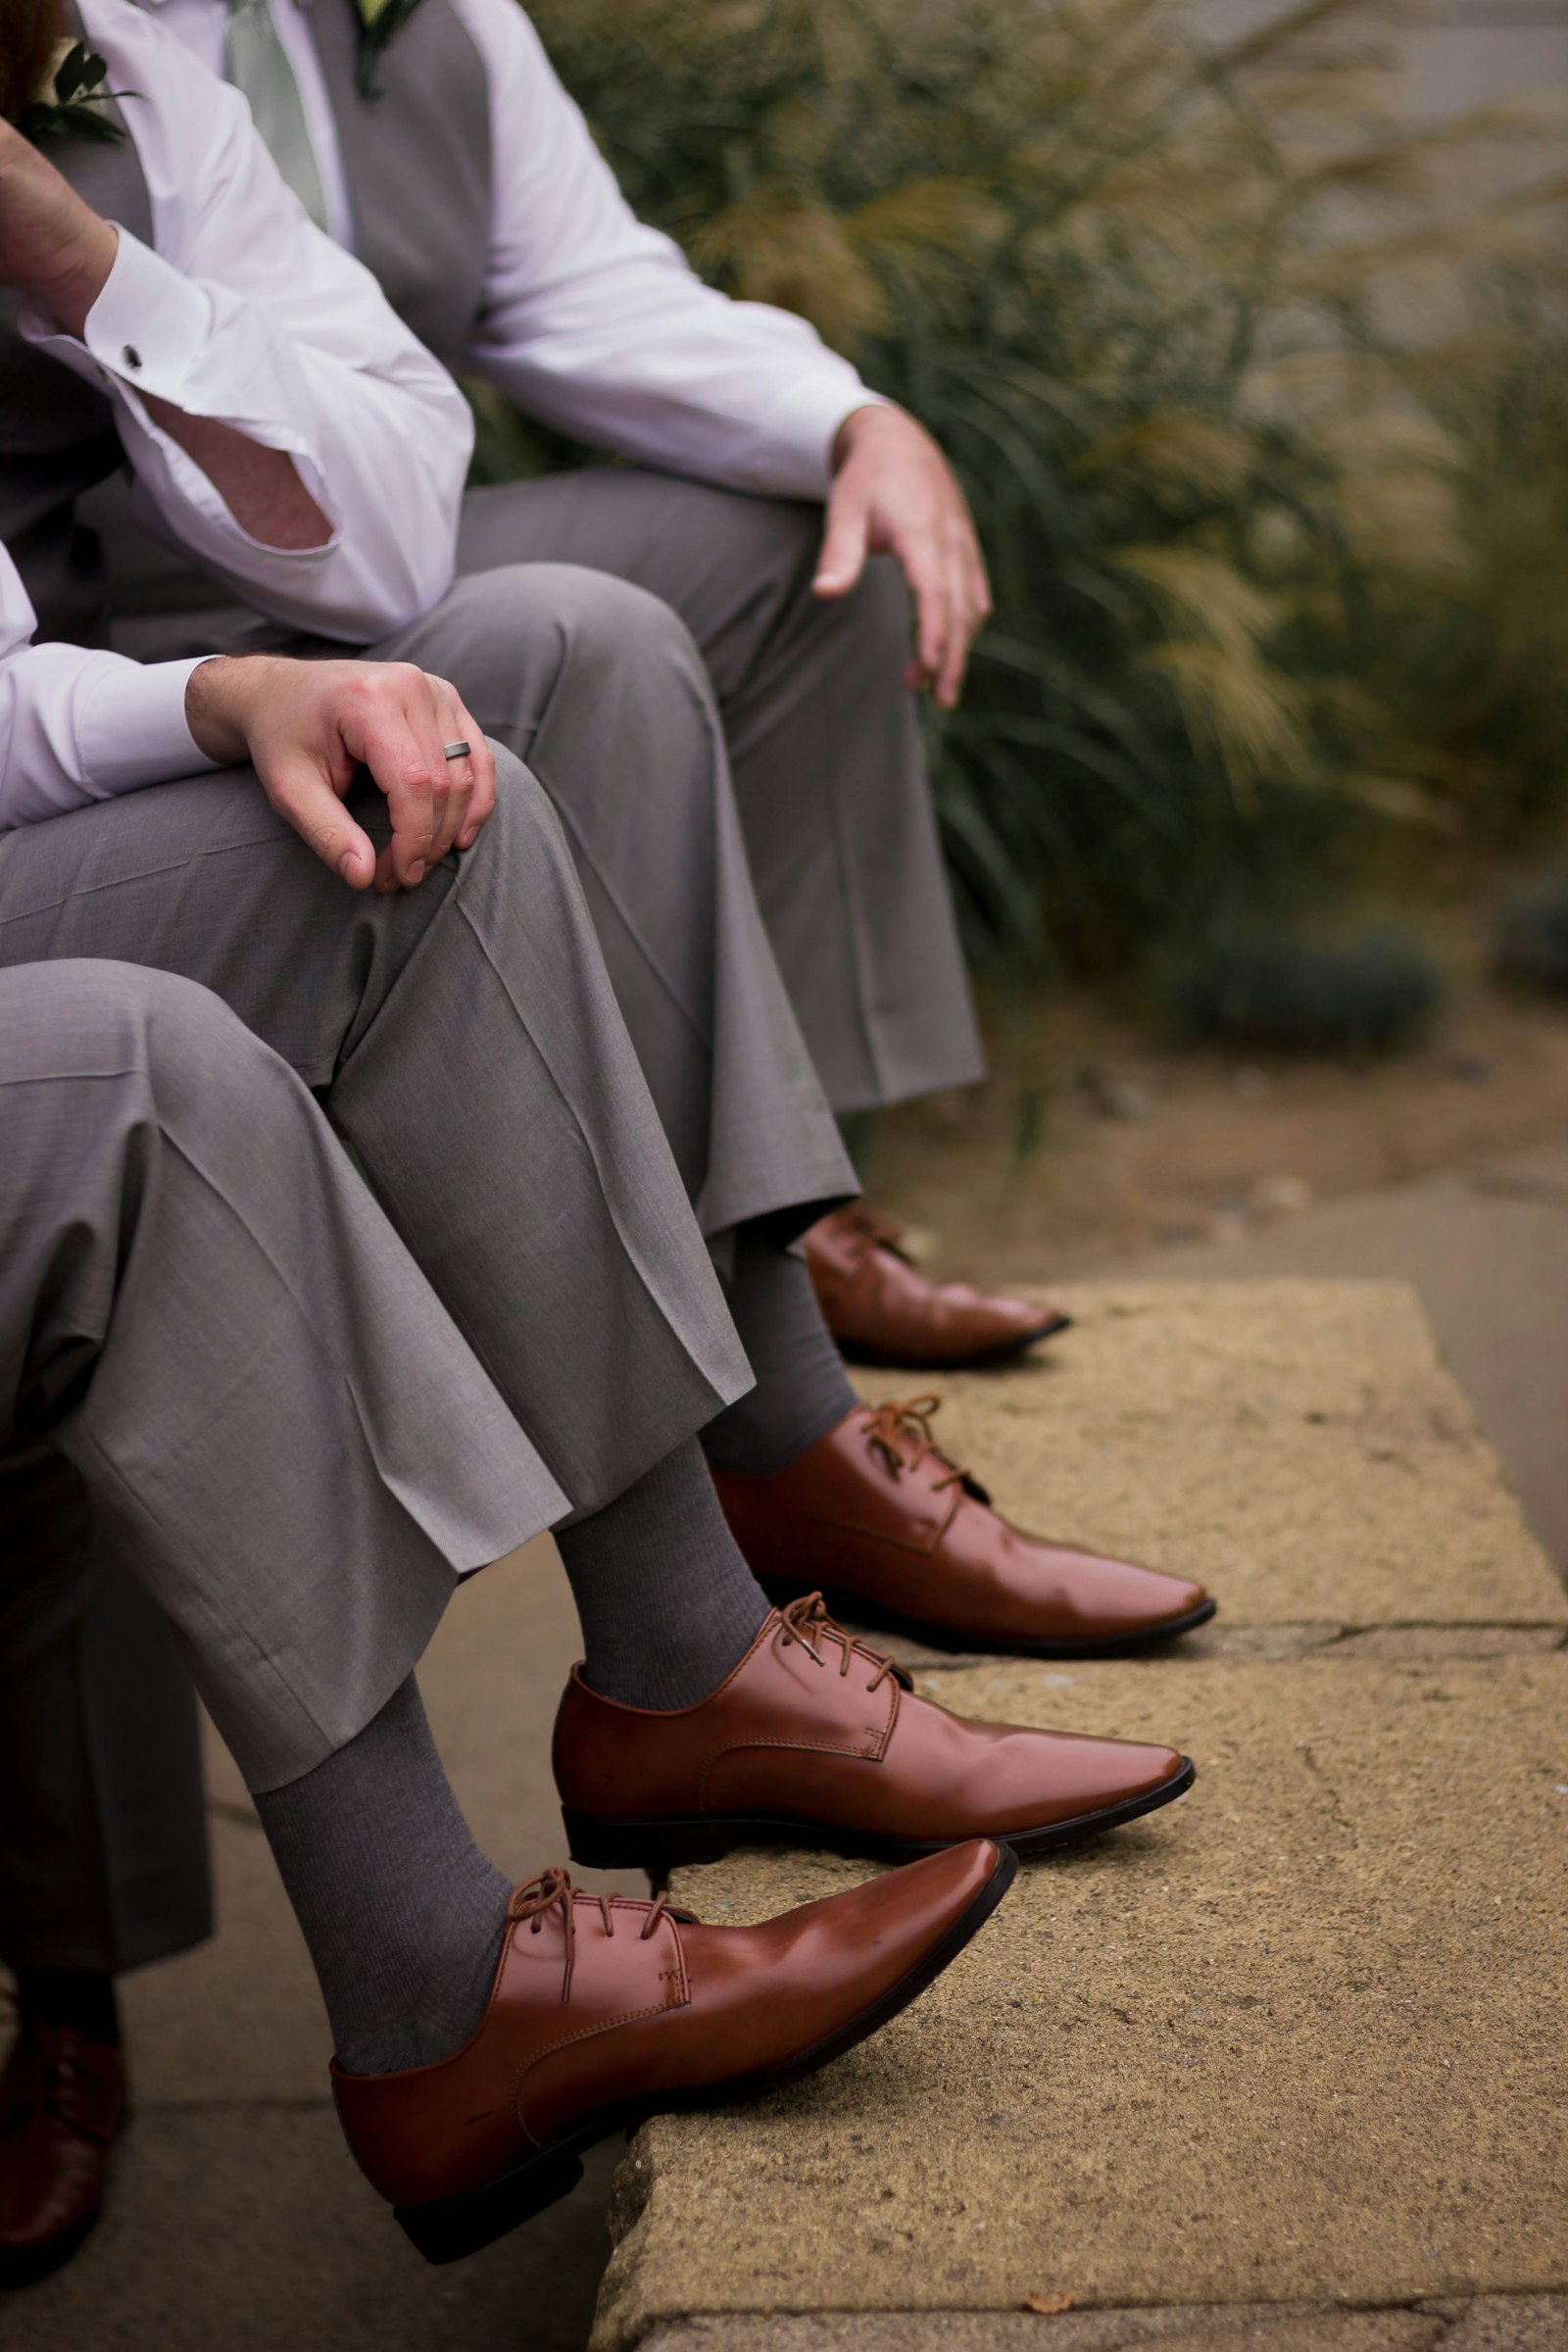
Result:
<point x="78" y="726"/>
<point x="591" y="320"/>
<point x="245" y="313"/>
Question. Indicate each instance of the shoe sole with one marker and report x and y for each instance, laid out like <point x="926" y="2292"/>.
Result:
<point x="1051" y="1328"/>
<point x="455" y="2227"/>
<point x="24" y="2265"/>
<point x="660" y="1846"/>
<point x="854" y="1608"/>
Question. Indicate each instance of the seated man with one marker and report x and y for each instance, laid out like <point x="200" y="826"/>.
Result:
<point x="454" y="165"/>
<point x="466" y="1043"/>
<point x="203" y="1311"/>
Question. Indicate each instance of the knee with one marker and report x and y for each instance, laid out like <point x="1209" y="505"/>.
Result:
<point x="611" y="623"/>
<point x="75" y="1016"/>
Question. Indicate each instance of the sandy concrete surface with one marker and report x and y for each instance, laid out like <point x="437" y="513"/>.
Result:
<point x="1486" y="1247"/>
<point x="1298" y="2038"/>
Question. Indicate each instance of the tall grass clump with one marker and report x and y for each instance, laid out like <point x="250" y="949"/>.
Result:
<point x="1179" y="316"/>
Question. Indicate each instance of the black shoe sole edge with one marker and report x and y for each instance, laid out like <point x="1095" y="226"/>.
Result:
<point x="460" y="2226"/>
<point x="660" y="1846"/>
<point x="1051" y="1328"/>
<point x="24" y="2265"/>
<point x="852" y="1609"/>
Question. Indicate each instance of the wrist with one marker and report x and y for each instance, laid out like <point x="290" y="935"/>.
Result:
<point x="220" y="700"/>
<point x="870" y="417"/>
<point x="71" y="292"/>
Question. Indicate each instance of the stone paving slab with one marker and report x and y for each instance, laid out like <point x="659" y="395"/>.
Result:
<point x="1296" y="1444"/>
<point x="1299" y="2038"/>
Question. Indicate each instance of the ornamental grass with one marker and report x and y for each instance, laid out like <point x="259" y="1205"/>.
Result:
<point x="1256" y="386"/>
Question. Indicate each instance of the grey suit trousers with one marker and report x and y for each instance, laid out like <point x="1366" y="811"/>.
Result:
<point x="206" y="1315"/>
<point x="470" y="1050"/>
<point x="823" y="746"/>
<point x="601" y="685"/>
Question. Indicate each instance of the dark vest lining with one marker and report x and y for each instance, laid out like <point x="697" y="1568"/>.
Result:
<point x="57" y="431"/>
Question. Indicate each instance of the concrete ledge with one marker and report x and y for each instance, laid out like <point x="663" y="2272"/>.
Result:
<point x="1295" y="2042"/>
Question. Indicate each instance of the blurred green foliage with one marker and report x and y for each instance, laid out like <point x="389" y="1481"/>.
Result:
<point x="1530" y="945"/>
<point x="1257" y="987"/>
<point x="1188" y="325"/>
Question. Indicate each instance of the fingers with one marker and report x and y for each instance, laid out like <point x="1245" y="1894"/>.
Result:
<point x="473" y="778"/>
<point x="483" y="799"/>
<point x="846" y="537"/>
<point x="300" y="792"/>
<point x="953" y="601"/>
<point x="400" y="742"/>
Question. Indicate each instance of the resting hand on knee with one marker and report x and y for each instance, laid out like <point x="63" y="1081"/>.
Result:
<point x="308" y="727"/>
<point x="894" y="491"/>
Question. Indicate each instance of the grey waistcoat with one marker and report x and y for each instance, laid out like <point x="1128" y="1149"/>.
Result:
<point x="57" y="431"/>
<point x="417" y="162"/>
<point x="417" y="159"/>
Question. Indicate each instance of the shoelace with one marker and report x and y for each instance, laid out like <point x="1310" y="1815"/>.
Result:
<point x="807" y="1620"/>
<point x="873" y="1230"/>
<point x="47" y="2072"/>
<point x="553" y="1889"/>
<point x="906" y="1422"/>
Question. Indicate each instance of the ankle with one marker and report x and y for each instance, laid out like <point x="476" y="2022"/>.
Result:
<point x="81" y="1998"/>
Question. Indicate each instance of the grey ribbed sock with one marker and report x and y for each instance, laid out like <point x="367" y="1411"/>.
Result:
<point x="801" y="1390"/>
<point x="667" y="1602"/>
<point x="403" y="1914"/>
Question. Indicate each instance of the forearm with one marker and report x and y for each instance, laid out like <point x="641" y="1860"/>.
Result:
<point x="261" y="487"/>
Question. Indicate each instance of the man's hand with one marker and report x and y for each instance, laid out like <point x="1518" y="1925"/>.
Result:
<point x="892" y="489"/>
<point x="309" y="726"/>
<point x="52" y="245"/>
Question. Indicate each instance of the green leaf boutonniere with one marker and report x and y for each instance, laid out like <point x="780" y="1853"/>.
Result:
<point x="80" y="102"/>
<point x="380" y="20"/>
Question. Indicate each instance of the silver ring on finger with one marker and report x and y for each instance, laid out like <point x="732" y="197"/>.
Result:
<point x="457" y="750"/>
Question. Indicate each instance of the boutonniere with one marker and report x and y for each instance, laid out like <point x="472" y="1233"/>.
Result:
<point x="78" y="103"/>
<point x="380" y="20"/>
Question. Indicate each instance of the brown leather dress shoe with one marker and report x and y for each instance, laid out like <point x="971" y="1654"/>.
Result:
<point x="606" y="2011"/>
<point x="895" y="1533"/>
<point x="883" y="1310"/>
<point x="817" y="1740"/>
<point x="62" y="2101"/>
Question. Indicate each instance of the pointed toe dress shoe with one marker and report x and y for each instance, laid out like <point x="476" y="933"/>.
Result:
<point x="62" y="2103"/>
<point x="894" y="1533"/>
<point x="881" y="1309"/>
<point x="605" y="2011"/>
<point x="817" y="1740"/>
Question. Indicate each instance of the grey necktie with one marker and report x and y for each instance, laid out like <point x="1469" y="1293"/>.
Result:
<point x="256" y="62"/>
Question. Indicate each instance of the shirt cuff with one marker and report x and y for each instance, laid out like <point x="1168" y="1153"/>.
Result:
<point x="151" y="324"/>
<point x="147" y="331"/>
<point x="132" y="728"/>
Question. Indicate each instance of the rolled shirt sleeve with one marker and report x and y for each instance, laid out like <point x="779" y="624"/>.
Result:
<point x="246" y="314"/>
<point x="597" y="323"/>
<point x="78" y="726"/>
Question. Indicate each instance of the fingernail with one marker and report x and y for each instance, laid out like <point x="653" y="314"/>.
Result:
<point x="416" y="872"/>
<point x="348" y="866"/>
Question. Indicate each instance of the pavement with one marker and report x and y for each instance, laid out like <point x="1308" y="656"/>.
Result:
<point x="1341" y="1979"/>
